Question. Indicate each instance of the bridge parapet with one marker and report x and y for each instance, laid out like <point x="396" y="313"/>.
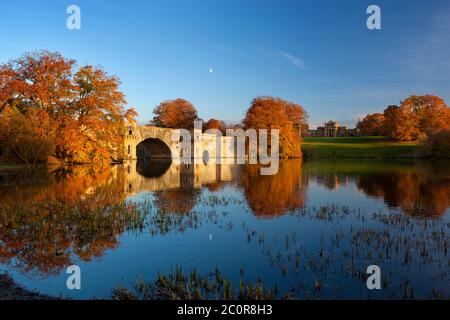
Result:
<point x="215" y="147"/>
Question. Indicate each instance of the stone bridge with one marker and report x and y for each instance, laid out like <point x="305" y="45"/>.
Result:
<point x="142" y="142"/>
<point x="149" y="142"/>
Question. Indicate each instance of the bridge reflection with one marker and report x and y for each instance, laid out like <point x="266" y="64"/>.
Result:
<point x="176" y="187"/>
<point x="417" y="189"/>
<point x="151" y="175"/>
<point x="151" y="168"/>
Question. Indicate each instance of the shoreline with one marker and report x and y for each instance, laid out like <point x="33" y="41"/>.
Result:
<point x="11" y="290"/>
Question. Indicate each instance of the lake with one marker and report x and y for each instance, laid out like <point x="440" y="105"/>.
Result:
<point x="311" y="230"/>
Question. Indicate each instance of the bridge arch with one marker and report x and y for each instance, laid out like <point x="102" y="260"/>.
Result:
<point x="153" y="148"/>
<point x="142" y="142"/>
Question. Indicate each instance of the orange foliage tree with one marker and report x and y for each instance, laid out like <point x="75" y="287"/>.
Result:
<point x="416" y="116"/>
<point x="215" y="124"/>
<point x="432" y="112"/>
<point x="178" y="113"/>
<point x="275" y="113"/>
<point x="85" y="106"/>
<point x="401" y="124"/>
<point x="371" y="125"/>
<point x="298" y="117"/>
<point x="410" y="121"/>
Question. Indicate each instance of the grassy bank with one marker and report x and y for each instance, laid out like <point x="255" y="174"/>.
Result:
<point x="358" y="148"/>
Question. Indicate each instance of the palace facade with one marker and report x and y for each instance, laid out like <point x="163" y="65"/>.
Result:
<point x="332" y="129"/>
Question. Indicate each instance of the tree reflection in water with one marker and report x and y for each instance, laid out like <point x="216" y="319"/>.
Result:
<point x="81" y="210"/>
<point x="49" y="216"/>
<point x="275" y="194"/>
<point x="415" y="194"/>
<point x="420" y="189"/>
<point x="178" y="201"/>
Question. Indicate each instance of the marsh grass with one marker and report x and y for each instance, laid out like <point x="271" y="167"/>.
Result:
<point x="351" y="239"/>
<point x="42" y="234"/>
<point x="178" y="285"/>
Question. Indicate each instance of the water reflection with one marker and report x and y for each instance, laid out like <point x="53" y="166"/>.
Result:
<point x="151" y="168"/>
<point x="176" y="187"/>
<point x="416" y="188"/>
<point x="424" y="191"/>
<point x="421" y="189"/>
<point x="49" y="217"/>
<point x="277" y="194"/>
<point x="46" y="215"/>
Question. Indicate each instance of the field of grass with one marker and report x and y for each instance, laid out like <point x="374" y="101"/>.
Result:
<point x="358" y="147"/>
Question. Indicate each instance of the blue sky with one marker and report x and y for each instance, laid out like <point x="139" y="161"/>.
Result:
<point x="317" y="53"/>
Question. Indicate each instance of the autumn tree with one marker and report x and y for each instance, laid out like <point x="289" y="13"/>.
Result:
<point x="215" y="124"/>
<point x="85" y="106"/>
<point x="97" y="116"/>
<point x="275" y="113"/>
<point x="29" y="135"/>
<point x="298" y="117"/>
<point x="41" y="80"/>
<point x="431" y="111"/>
<point x="416" y="116"/>
<point x="178" y="113"/>
<point x="401" y="124"/>
<point x="371" y="125"/>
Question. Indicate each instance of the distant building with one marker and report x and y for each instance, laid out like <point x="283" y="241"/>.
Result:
<point x="353" y="132"/>
<point x="332" y="129"/>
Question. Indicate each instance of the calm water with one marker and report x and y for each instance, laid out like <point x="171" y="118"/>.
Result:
<point x="312" y="229"/>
